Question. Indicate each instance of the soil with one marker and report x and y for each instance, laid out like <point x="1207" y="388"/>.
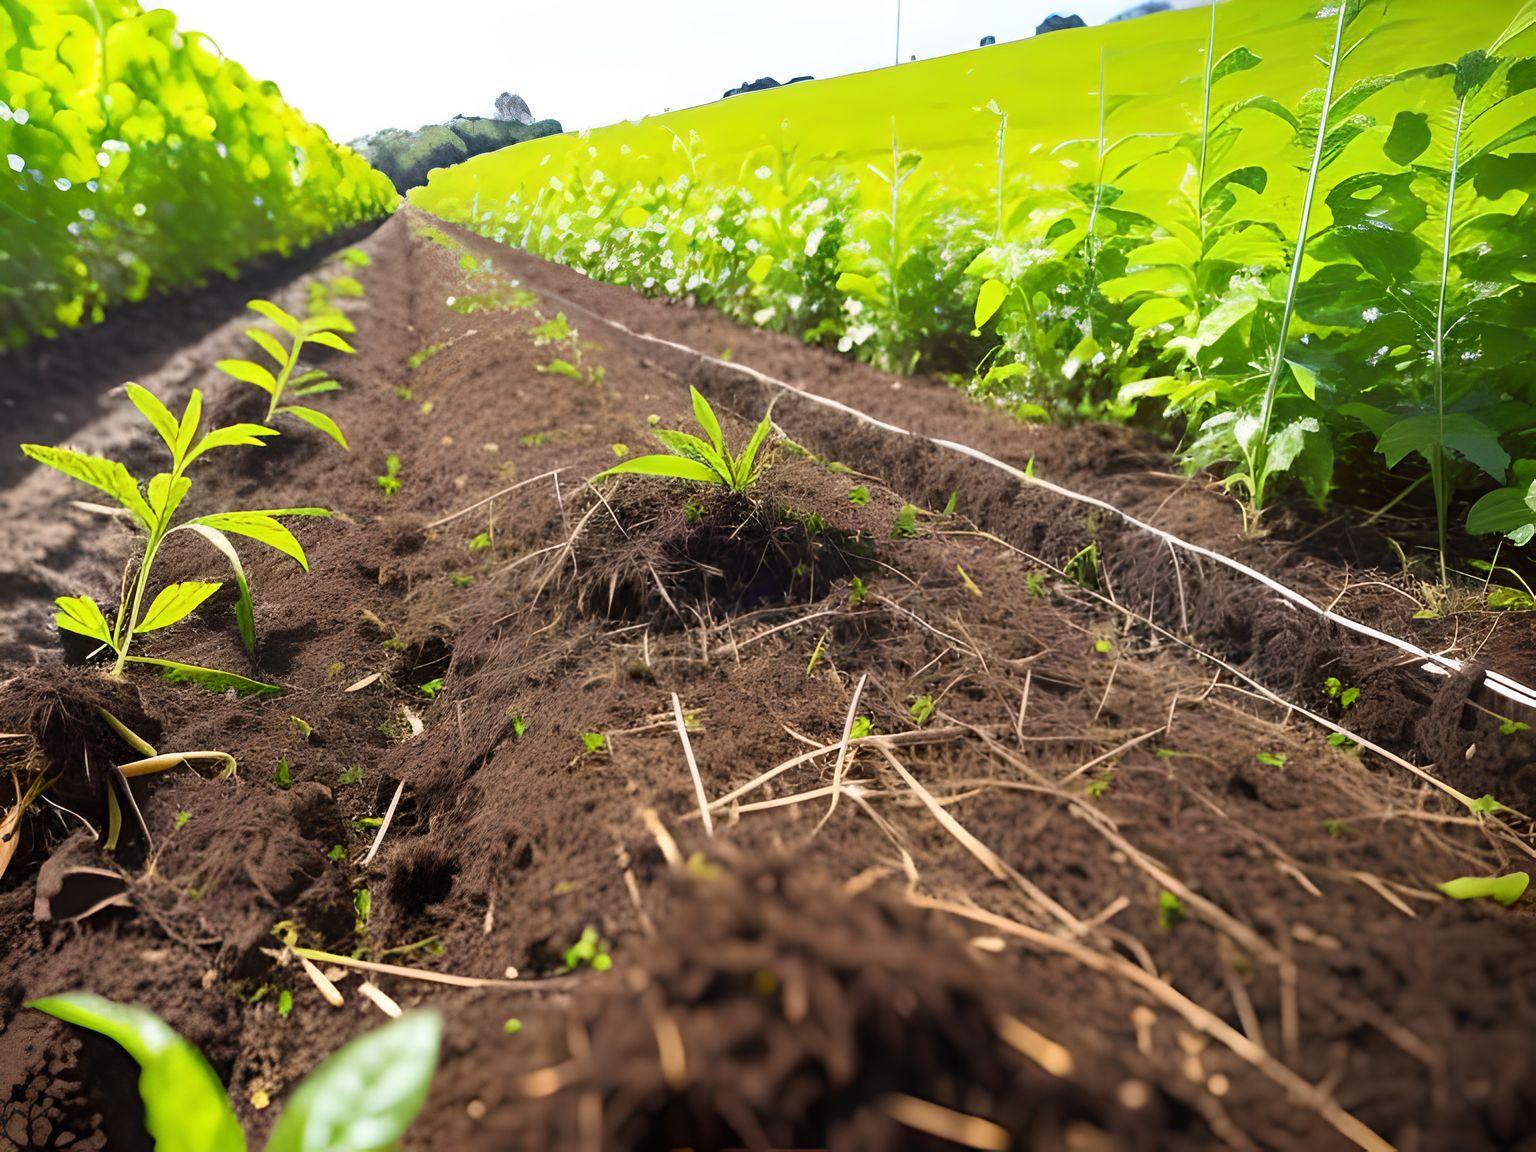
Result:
<point x="1094" y="891"/>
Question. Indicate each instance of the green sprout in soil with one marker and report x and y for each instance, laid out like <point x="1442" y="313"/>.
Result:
<point x="461" y="579"/>
<point x="1341" y="741"/>
<point x="306" y="729"/>
<point x="821" y="646"/>
<point x="858" y="496"/>
<point x="356" y="258"/>
<point x="1503" y="889"/>
<point x="1170" y="910"/>
<point x="185" y="1106"/>
<point x="152" y="509"/>
<point x="181" y="819"/>
<point x="951" y="504"/>
<point x="594" y="742"/>
<point x="1099" y="785"/>
<point x="1034" y="584"/>
<point x="921" y="711"/>
<point x="1103" y="645"/>
<point x="1083" y="568"/>
<point x="905" y="526"/>
<point x="337" y="854"/>
<point x="284" y="1004"/>
<point x="389" y="483"/>
<point x="282" y="775"/>
<point x="362" y="906"/>
<point x="857" y="593"/>
<point x="323" y="329"/>
<point x="351" y="775"/>
<point x="432" y="687"/>
<point x="588" y="950"/>
<point x="1271" y="759"/>
<point x="512" y="1026"/>
<point x="1336" y="690"/>
<point x="422" y="355"/>
<point x="480" y="542"/>
<point x="970" y="585"/>
<point x="706" y="462"/>
<point x="1508" y="727"/>
<point x="1335" y="828"/>
<point x="519" y="726"/>
<point x="862" y="726"/>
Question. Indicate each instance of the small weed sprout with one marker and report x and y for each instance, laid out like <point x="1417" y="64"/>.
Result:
<point x="862" y="726"/>
<point x="706" y="462"/>
<point x="1170" y="910"/>
<point x="1034" y="584"/>
<point x="152" y="509"/>
<point x="389" y="482"/>
<point x="1271" y="759"/>
<point x="588" y="950"/>
<point x="1336" y="690"/>
<point x="921" y="711"/>
<point x="1099" y="785"/>
<point x="905" y="527"/>
<point x="432" y="687"/>
<point x="858" y="496"/>
<point x="324" y="328"/>
<point x="594" y="742"/>
<point x="857" y="593"/>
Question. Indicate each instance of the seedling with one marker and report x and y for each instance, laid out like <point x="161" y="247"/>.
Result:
<point x="479" y="542"/>
<point x="282" y="775"/>
<point x="1271" y="759"/>
<point x="323" y="329"/>
<point x="389" y="483"/>
<point x="1034" y="584"/>
<point x="374" y="1085"/>
<point x="862" y="726"/>
<point x="970" y="585"/>
<point x="284" y="1004"/>
<point x="1103" y="646"/>
<point x="1508" y="727"/>
<point x="1336" y="691"/>
<point x="905" y="526"/>
<point x="512" y="1026"/>
<point x="951" y="504"/>
<point x="432" y="687"/>
<point x="691" y="458"/>
<point x="351" y="775"/>
<point x="858" y="496"/>
<point x="1170" y="910"/>
<point x="821" y="645"/>
<point x="1099" y="785"/>
<point x="337" y="854"/>
<point x="921" y="710"/>
<point x="588" y="950"/>
<point x="857" y="593"/>
<point x="154" y="515"/>
<point x="1083" y="568"/>
<point x="594" y="742"/>
<point x="1504" y="889"/>
<point x="519" y="726"/>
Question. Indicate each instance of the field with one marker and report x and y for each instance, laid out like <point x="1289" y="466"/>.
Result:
<point x="703" y="735"/>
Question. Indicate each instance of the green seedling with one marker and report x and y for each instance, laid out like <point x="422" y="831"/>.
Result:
<point x="422" y="355"/>
<point x="951" y="504"/>
<point x="284" y="1004"/>
<point x="1335" y="689"/>
<point x="858" y="496"/>
<point x="1335" y="828"/>
<point x="1484" y="805"/>
<point x="461" y="579"/>
<point x="363" y="1096"/>
<point x="432" y="687"/>
<point x="1508" y="727"/>
<point x="362" y="907"/>
<point x="905" y="526"/>
<point x="1271" y="759"/>
<point x="324" y="330"/>
<point x="181" y="819"/>
<point x="1341" y="741"/>
<point x="1170" y="910"/>
<point x="1083" y="568"/>
<point x="821" y="646"/>
<point x="519" y="726"/>
<point x="588" y="950"/>
<point x="306" y="729"/>
<point x="970" y="585"/>
<point x="706" y="462"/>
<point x="389" y="483"/>
<point x="921" y="711"/>
<point x="356" y="258"/>
<point x="1504" y="889"/>
<point x="152" y="510"/>
<point x="479" y="542"/>
<point x="594" y="742"/>
<point x="512" y="1026"/>
<point x="556" y="331"/>
<point x="1099" y="785"/>
<point x="1103" y="646"/>
<point x="862" y="726"/>
<point x="282" y="775"/>
<point x="857" y="593"/>
<point x="1034" y="584"/>
<point x="351" y="775"/>
<point x="337" y="854"/>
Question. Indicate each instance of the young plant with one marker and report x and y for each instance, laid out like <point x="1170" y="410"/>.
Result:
<point x="711" y="462"/>
<point x="152" y="508"/>
<point x="363" y="1096"/>
<point x="323" y="328"/>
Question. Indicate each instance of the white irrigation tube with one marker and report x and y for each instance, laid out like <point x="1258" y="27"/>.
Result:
<point x="1495" y="682"/>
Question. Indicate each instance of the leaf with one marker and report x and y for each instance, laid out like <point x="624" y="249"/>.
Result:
<point x="1240" y="59"/>
<point x="211" y="678"/>
<point x="705" y="415"/>
<point x="185" y="1106"/>
<point x="1409" y="137"/>
<point x="1505" y="510"/>
<point x="231" y="435"/>
<point x="1465" y="435"/>
<point x="249" y="372"/>
<point x="245" y="617"/>
<point x="166" y="494"/>
<point x="258" y="526"/>
<point x="331" y="340"/>
<point x="82" y="615"/>
<point x="988" y="300"/>
<point x="365" y="1095"/>
<point x="692" y="448"/>
<point x="269" y="344"/>
<point x="672" y="467"/>
<point x="158" y="415"/>
<point x="747" y="468"/>
<point x="1505" y="889"/>
<point x="634" y="217"/>
<point x="191" y="417"/>
<point x="275" y="314"/>
<point x="175" y="602"/>
<point x="1306" y="379"/>
<point x="316" y="419"/>
<point x="104" y="475"/>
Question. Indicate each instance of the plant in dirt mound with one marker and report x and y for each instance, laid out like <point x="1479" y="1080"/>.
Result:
<point x="707" y="462"/>
<point x="152" y="507"/>
<point x="361" y="1098"/>
<point x="323" y="328"/>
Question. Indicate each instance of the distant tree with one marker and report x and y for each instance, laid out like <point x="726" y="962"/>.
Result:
<point x="510" y="106"/>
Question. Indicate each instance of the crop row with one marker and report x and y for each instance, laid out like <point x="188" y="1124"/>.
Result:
<point x="138" y="158"/>
<point x="1300" y="235"/>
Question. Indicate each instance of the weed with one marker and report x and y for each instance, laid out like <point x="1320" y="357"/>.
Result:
<point x="512" y="1026"/>
<point x="1034" y="584"/>
<point x="970" y="585"/>
<point x="1170" y="910"/>
<point x="461" y="579"/>
<point x="594" y="742"/>
<point x="1083" y="568"/>
<point x="282" y="775"/>
<point x="1508" y="727"/>
<point x="352" y="775"/>
<point x="1271" y="759"/>
<point x="905" y="526"/>
<point x="422" y="355"/>
<point x="858" y="496"/>
<point x="821" y="645"/>
<point x="1336" y="690"/>
<point x="479" y="542"/>
<point x="337" y="854"/>
<point x="155" y="517"/>
<point x="589" y="950"/>
<point x="1099" y="785"/>
<point x="362" y="907"/>
<point x="324" y="330"/>
<point x="862" y="726"/>
<point x="1335" y="828"/>
<point x="1339" y="740"/>
<point x="519" y="726"/>
<point x="284" y="1004"/>
<point x="1103" y="645"/>
<point x="1503" y="889"/>
<point x="707" y="462"/>
<point x="857" y="593"/>
<point x="921" y="710"/>
<point x="389" y="482"/>
<point x="432" y="687"/>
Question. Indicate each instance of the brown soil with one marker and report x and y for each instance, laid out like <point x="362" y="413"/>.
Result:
<point x="1128" y="930"/>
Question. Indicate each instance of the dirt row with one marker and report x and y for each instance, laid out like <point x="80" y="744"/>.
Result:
<point x="1088" y="891"/>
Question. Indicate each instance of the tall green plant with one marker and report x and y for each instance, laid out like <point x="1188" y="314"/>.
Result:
<point x="323" y="328"/>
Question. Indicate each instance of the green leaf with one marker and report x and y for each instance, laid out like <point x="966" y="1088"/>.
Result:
<point x="1409" y="137"/>
<point x="269" y="344"/>
<point x="185" y="1106"/>
<point x="245" y="616"/>
<point x="254" y="435"/>
<point x="1240" y="59"/>
<point x="249" y="372"/>
<point x="988" y="300"/>
<point x="104" y="475"/>
<point x="331" y="340"/>
<point x="158" y="415"/>
<point x="174" y="603"/>
<point x="166" y="494"/>
<point x="1465" y="435"/>
<point x="364" y="1096"/>
<point x="211" y="678"/>
<point x="1306" y="379"/>
<point x="82" y="615"/>
<point x="1505" y="889"/>
<point x="705" y="415"/>
<point x="275" y="314"/>
<point x="1505" y="510"/>
<point x="316" y="419"/>
<point x="259" y="526"/>
<point x="671" y="467"/>
<point x="191" y="417"/>
<point x="747" y="467"/>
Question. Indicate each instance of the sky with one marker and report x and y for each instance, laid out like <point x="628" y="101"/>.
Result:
<point x="355" y="66"/>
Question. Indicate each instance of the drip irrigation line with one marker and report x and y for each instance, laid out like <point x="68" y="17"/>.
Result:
<point x="1432" y="663"/>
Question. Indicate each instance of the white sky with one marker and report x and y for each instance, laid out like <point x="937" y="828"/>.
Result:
<point x="355" y="66"/>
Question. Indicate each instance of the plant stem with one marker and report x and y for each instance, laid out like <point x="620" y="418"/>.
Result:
<point x="1267" y="408"/>
<point x="141" y="581"/>
<point x="1437" y="463"/>
<point x="283" y="376"/>
<point x="1205" y="151"/>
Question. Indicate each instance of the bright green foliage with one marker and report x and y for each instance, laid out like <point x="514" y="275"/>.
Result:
<point x="152" y="509"/>
<point x="588" y="950"/>
<point x="134" y="157"/>
<point x="1504" y="889"/>
<point x="1297" y="231"/>
<point x="921" y="710"/>
<point x="323" y="329"/>
<point x="706" y="462"/>
<point x="361" y="1098"/>
<point x="389" y="482"/>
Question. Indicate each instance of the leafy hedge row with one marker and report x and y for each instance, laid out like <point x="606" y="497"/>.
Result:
<point x="1300" y="233"/>
<point x="136" y="157"/>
